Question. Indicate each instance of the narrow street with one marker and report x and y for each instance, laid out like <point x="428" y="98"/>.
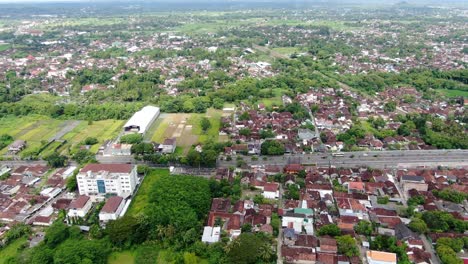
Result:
<point x="430" y="249"/>
<point x="280" y="232"/>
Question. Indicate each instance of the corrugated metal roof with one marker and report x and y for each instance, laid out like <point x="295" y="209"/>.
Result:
<point x="143" y="118"/>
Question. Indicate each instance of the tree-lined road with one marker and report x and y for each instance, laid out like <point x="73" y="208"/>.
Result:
<point x="375" y="159"/>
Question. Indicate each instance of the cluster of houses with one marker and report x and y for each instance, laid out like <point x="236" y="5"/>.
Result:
<point x="339" y="196"/>
<point x="228" y="218"/>
<point x="282" y="126"/>
<point x="75" y="57"/>
<point x="375" y="56"/>
<point x="36" y="194"/>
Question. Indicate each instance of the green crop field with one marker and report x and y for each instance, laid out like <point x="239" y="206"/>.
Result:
<point x="101" y="130"/>
<point x="34" y="129"/>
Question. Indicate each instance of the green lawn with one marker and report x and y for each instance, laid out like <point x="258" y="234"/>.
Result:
<point x="141" y="199"/>
<point x="4" y="47"/>
<point x="11" y="250"/>
<point x="455" y="93"/>
<point x="287" y="50"/>
<point x="268" y="102"/>
<point x="157" y="131"/>
<point x="123" y="257"/>
<point x="213" y="132"/>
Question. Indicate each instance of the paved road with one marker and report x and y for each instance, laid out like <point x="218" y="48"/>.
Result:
<point x="375" y="159"/>
<point x="430" y="249"/>
<point x="280" y="232"/>
<point x="67" y="127"/>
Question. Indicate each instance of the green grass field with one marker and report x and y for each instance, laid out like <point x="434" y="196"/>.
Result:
<point x="213" y="132"/>
<point x="287" y="50"/>
<point x="454" y="93"/>
<point x="36" y="129"/>
<point x="4" y="47"/>
<point x="185" y="128"/>
<point x="142" y="197"/>
<point x="156" y="131"/>
<point x="11" y="250"/>
<point x="124" y="257"/>
<point x="268" y="102"/>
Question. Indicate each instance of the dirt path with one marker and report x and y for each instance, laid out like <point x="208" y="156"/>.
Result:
<point x="272" y="52"/>
<point x="66" y="127"/>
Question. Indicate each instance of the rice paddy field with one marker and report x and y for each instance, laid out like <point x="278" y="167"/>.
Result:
<point x="38" y="130"/>
<point x="101" y="130"/>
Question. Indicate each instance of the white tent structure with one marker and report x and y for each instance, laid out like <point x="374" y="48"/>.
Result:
<point x="142" y="120"/>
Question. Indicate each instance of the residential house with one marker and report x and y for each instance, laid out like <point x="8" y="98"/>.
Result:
<point x="380" y="257"/>
<point x="112" y="209"/>
<point x="211" y="234"/>
<point x="80" y="206"/>
<point x="17" y="146"/>
<point x="270" y="190"/>
<point x="168" y="146"/>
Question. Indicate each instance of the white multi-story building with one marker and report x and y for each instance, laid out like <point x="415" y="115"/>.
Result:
<point x="101" y="179"/>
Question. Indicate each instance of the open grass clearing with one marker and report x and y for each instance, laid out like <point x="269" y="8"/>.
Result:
<point x="4" y="47"/>
<point x="123" y="257"/>
<point x="141" y="199"/>
<point x="286" y="50"/>
<point x="11" y="250"/>
<point x="185" y="128"/>
<point x="454" y="93"/>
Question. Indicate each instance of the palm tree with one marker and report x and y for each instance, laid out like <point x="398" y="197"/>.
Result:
<point x="265" y="252"/>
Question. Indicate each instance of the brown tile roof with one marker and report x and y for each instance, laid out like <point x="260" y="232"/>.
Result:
<point x="79" y="202"/>
<point x="112" y="204"/>
<point x="220" y="205"/>
<point x="270" y="187"/>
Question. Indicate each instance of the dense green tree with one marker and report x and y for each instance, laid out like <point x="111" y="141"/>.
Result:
<point x="329" y="230"/>
<point x="272" y="147"/>
<point x="131" y="139"/>
<point x="418" y="225"/>
<point x="363" y="227"/>
<point x="347" y="246"/>
<point x="205" y="124"/>
<point x="56" y="234"/>
<point x="56" y="160"/>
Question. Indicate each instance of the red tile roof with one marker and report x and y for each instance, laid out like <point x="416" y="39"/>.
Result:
<point x="79" y="202"/>
<point x="270" y="187"/>
<point x="112" y="204"/>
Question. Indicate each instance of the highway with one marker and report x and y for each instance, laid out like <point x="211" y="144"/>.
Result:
<point x="375" y="159"/>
